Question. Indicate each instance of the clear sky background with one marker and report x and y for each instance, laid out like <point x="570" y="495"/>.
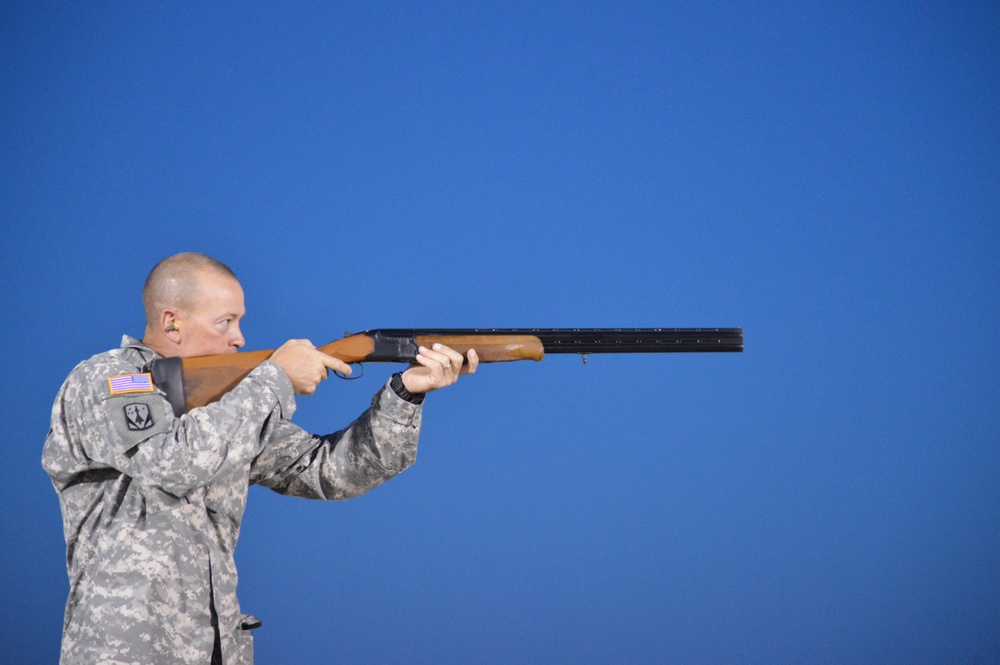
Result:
<point x="825" y="175"/>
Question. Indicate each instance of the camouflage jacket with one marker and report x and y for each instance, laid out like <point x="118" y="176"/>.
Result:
<point x="152" y="503"/>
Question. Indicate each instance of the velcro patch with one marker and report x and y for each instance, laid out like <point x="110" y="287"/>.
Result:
<point x="124" y="384"/>
<point x="136" y="418"/>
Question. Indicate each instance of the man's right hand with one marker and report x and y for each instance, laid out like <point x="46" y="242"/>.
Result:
<point x="305" y="365"/>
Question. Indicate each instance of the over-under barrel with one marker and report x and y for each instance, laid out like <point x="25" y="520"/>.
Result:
<point x="589" y="340"/>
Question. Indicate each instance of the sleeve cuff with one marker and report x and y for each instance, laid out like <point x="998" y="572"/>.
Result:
<point x="279" y="384"/>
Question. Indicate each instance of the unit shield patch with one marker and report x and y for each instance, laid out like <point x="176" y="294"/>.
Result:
<point x="137" y="416"/>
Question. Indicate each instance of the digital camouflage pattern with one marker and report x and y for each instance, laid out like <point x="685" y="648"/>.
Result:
<point x="152" y="503"/>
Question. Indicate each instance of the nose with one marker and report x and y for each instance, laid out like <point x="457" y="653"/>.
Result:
<point x="237" y="338"/>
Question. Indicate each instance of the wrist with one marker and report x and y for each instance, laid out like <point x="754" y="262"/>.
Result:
<point x="396" y="383"/>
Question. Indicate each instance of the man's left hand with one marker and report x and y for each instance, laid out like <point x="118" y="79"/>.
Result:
<point x="438" y="367"/>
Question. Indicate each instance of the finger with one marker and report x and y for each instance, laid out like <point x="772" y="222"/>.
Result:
<point x="435" y="356"/>
<point x="431" y="360"/>
<point x="438" y="367"/>
<point x="473" y="363"/>
<point x="455" y="359"/>
<point x="336" y="364"/>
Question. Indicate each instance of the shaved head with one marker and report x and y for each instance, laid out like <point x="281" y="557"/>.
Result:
<point x="174" y="282"/>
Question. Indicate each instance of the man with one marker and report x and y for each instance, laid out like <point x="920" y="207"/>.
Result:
<point x="152" y="503"/>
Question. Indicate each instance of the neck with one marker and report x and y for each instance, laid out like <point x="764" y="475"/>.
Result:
<point x="159" y="344"/>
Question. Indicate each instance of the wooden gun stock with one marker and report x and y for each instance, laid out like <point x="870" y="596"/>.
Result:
<point x="197" y="381"/>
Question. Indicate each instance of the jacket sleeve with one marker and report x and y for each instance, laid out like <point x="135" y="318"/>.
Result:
<point x="380" y="444"/>
<point x="137" y="434"/>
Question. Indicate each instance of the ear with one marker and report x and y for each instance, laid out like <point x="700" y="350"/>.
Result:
<point x="170" y="325"/>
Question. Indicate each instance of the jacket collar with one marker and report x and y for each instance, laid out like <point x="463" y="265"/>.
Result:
<point x="137" y="352"/>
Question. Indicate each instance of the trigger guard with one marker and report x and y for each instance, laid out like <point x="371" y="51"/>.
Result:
<point x="341" y="375"/>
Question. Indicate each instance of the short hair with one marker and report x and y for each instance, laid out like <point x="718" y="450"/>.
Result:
<point x="173" y="282"/>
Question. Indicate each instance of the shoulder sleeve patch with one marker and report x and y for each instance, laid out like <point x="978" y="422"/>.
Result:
<point x="138" y="417"/>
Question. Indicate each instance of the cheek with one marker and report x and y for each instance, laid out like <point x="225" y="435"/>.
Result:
<point x="207" y="341"/>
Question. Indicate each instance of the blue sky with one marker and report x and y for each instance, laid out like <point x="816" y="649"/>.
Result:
<point x="826" y="177"/>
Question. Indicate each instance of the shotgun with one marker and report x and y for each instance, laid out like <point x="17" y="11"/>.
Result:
<point x="197" y="381"/>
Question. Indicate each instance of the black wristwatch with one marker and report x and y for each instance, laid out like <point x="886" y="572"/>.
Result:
<point x="396" y="383"/>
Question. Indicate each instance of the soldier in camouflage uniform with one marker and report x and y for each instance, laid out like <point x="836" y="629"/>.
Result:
<point x="152" y="503"/>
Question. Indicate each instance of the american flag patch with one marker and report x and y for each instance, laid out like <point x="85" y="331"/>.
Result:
<point x="131" y="383"/>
